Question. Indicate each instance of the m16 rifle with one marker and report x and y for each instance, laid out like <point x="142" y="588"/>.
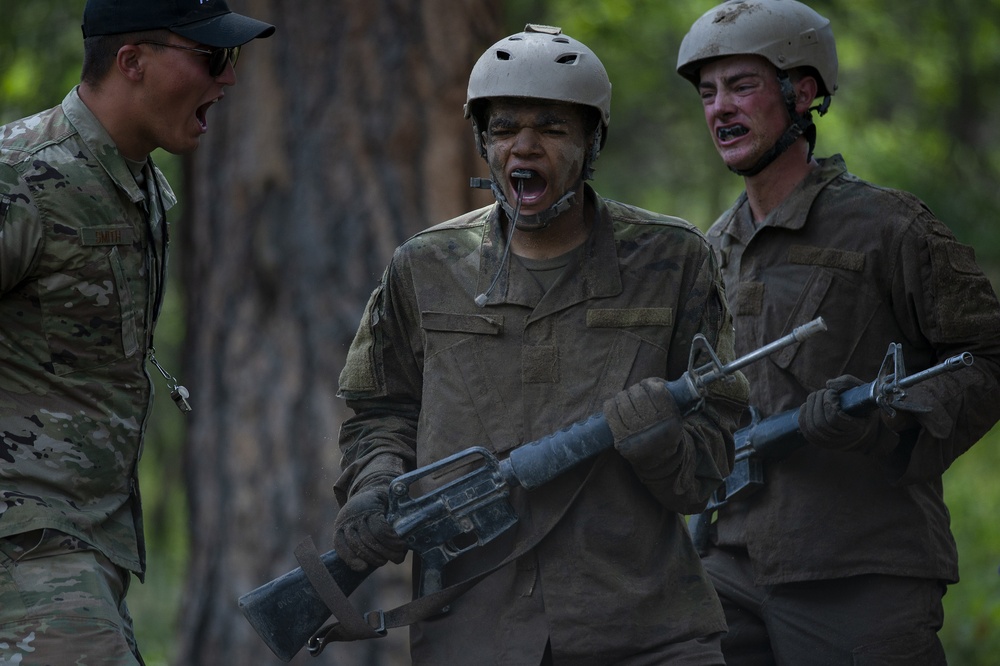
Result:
<point x="471" y="507"/>
<point x="775" y="437"/>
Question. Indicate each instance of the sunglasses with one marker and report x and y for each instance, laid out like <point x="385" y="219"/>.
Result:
<point x="217" y="56"/>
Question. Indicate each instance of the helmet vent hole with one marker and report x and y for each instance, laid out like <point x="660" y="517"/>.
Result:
<point x="568" y="59"/>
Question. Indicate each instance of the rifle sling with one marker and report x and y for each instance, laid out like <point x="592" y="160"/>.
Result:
<point x="330" y="593"/>
<point x="357" y="627"/>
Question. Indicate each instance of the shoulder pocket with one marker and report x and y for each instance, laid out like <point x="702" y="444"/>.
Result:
<point x="362" y="371"/>
<point x="965" y="304"/>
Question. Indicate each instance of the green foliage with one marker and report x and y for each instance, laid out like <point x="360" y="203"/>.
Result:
<point x="41" y="51"/>
<point x="972" y="608"/>
<point x="914" y="111"/>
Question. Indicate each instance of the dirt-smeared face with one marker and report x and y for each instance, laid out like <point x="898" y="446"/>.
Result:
<point x="743" y="106"/>
<point x="547" y="141"/>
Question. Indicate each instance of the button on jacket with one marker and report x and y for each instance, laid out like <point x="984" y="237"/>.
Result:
<point x="878" y="266"/>
<point x="430" y="374"/>
<point x="82" y="260"/>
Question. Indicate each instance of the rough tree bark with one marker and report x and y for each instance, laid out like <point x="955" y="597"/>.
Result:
<point x="343" y="137"/>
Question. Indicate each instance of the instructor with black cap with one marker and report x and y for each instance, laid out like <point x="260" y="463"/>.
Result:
<point x="83" y="254"/>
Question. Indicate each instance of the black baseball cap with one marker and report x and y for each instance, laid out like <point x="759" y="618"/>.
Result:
<point x="208" y="22"/>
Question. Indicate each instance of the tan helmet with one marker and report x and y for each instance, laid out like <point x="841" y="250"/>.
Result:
<point x="541" y="63"/>
<point x="788" y="33"/>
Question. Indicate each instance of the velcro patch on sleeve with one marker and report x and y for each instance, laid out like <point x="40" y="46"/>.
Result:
<point x="964" y="301"/>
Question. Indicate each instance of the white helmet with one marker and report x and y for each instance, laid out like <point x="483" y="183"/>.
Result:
<point x="788" y="34"/>
<point x="540" y="63"/>
<point x="785" y="32"/>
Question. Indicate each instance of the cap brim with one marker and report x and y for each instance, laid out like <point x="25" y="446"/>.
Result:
<point x="225" y="30"/>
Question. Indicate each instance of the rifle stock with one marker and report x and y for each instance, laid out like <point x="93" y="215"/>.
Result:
<point x="471" y="507"/>
<point x="287" y="611"/>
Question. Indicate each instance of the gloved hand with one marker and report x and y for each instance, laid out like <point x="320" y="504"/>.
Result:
<point x="647" y="426"/>
<point x="362" y="536"/>
<point x="823" y="423"/>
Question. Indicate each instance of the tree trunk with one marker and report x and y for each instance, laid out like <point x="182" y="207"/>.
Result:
<point x="343" y="137"/>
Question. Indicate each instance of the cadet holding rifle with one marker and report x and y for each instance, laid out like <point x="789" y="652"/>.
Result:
<point x="845" y="553"/>
<point x="449" y="507"/>
<point x="510" y="322"/>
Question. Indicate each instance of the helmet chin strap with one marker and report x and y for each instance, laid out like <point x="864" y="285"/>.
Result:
<point x="535" y="222"/>
<point x="513" y="214"/>
<point x="483" y="297"/>
<point x="802" y="124"/>
<point x="539" y="220"/>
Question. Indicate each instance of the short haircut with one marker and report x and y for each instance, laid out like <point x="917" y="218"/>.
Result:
<point x="100" y="52"/>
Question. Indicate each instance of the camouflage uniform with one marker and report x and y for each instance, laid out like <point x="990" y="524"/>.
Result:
<point x="82" y="261"/>
<point x="430" y="374"/>
<point x="878" y="267"/>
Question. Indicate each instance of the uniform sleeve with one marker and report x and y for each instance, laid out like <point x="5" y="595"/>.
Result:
<point x="946" y="297"/>
<point x="705" y="455"/>
<point x="21" y="232"/>
<point x="381" y="382"/>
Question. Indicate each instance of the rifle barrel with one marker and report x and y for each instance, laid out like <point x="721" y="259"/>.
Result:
<point x="947" y="365"/>
<point x="798" y="334"/>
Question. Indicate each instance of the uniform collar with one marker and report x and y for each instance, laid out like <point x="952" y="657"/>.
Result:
<point x="591" y="273"/>
<point x="790" y="214"/>
<point x="103" y="148"/>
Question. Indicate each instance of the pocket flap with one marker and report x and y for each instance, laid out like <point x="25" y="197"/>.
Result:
<point x="457" y="322"/>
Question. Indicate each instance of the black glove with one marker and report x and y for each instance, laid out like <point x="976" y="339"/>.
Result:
<point x="362" y="536"/>
<point x="646" y="425"/>
<point x="823" y="423"/>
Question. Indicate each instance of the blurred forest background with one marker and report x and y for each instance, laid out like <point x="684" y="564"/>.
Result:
<point x="344" y="136"/>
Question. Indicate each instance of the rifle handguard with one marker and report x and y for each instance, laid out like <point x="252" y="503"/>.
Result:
<point x="776" y="436"/>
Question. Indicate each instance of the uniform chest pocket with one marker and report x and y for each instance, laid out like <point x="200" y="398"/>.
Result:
<point x="444" y="329"/>
<point x="460" y="380"/>
<point x="847" y="304"/>
<point x="90" y="315"/>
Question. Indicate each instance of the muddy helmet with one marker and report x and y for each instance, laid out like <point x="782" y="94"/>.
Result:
<point x="785" y="32"/>
<point x="540" y="63"/>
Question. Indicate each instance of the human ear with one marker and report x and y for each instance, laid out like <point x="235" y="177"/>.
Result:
<point x="129" y="61"/>
<point x="806" y="89"/>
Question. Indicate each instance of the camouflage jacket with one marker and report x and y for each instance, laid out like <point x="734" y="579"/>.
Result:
<point x="878" y="266"/>
<point x="82" y="260"/>
<point x="430" y="374"/>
